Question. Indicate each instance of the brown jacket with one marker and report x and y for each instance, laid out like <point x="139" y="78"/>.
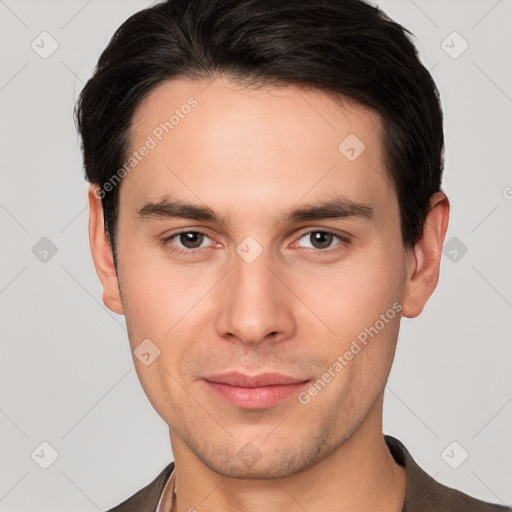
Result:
<point x="423" y="493"/>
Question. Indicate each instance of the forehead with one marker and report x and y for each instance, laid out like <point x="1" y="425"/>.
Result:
<point x="235" y="147"/>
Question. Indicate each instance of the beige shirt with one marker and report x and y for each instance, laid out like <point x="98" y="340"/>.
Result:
<point x="166" y="501"/>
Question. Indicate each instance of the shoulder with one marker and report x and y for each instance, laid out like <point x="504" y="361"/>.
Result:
<point x="146" y="499"/>
<point x="424" y="494"/>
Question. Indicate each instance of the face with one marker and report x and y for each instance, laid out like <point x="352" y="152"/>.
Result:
<point x="268" y="281"/>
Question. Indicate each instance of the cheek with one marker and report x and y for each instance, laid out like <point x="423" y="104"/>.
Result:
<point x="169" y="305"/>
<point x="345" y="299"/>
<point x="158" y="306"/>
<point x="361" y="305"/>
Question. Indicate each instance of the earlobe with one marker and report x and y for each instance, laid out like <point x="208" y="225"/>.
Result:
<point x="102" y="252"/>
<point x="425" y="257"/>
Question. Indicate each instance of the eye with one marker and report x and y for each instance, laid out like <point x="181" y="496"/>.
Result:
<point x="322" y="240"/>
<point x="186" y="241"/>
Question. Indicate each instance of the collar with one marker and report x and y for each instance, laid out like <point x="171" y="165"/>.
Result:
<point x="166" y="501"/>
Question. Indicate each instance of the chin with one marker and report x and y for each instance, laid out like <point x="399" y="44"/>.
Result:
<point x="268" y="471"/>
<point x="271" y="462"/>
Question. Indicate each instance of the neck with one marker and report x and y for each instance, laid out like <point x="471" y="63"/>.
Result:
<point x="359" y="475"/>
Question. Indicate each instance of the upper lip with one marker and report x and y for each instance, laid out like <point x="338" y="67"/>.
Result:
<point x="253" y="381"/>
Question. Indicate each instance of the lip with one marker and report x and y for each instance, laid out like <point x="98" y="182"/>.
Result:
<point x="254" y="391"/>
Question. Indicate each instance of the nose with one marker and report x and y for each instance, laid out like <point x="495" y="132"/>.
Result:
<point x="255" y="305"/>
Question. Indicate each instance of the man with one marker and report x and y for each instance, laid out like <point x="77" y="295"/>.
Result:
<point x="265" y="205"/>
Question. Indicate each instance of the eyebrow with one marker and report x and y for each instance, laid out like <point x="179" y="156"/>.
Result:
<point x="337" y="208"/>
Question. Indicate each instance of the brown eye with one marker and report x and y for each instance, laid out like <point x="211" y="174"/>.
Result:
<point x="320" y="239"/>
<point x="186" y="242"/>
<point x="191" y="239"/>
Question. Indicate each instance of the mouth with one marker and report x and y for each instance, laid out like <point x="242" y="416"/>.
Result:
<point x="254" y="391"/>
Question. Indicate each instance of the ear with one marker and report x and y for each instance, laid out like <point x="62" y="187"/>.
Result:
<point x="424" y="258"/>
<point x="102" y="252"/>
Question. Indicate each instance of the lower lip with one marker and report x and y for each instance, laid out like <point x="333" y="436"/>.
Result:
<point x="254" y="398"/>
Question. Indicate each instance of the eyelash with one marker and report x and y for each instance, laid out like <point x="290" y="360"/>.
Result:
<point x="343" y="242"/>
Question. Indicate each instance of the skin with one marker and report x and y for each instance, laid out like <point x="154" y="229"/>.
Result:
<point x="251" y="155"/>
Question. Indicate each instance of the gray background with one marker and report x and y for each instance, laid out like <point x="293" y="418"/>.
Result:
<point x="67" y="376"/>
